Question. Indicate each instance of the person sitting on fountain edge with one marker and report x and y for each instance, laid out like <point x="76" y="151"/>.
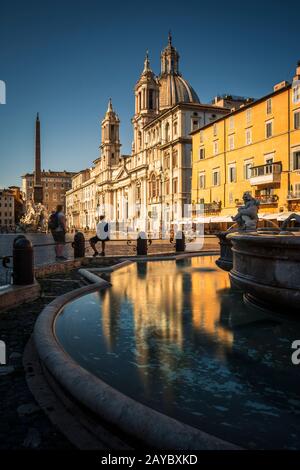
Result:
<point x="57" y="226"/>
<point x="102" y="235"/>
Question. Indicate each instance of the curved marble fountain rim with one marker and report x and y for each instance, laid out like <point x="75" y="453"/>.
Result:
<point x="132" y="418"/>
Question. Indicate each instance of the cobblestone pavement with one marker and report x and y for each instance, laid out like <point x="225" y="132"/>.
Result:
<point x="22" y="423"/>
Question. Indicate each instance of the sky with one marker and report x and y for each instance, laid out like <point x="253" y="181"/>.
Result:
<point x="64" y="59"/>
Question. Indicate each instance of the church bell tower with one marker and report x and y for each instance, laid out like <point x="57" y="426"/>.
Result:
<point x="110" y="139"/>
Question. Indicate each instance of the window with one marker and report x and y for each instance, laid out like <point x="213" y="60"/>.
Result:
<point x="152" y="186"/>
<point x="247" y="170"/>
<point x="215" y="147"/>
<point x="297" y="190"/>
<point x="297" y="120"/>
<point x="167" y="187"/>
<point x="167" y="160"/>
<point x="248" y="136"/>
<point x="201" y="137"/>
<point x="216" y="177"/>
<point x="231" y="123"/>
<point x="215" y="130"/>
<point x="112" y="132"/>
<point x="175" y="185"/>
<point x="201" y="153"/>
<point x="269" y="106"/>
<point x="269" y="158"/>
<point x="232" y="173"/>
<point x="150" y="99"/>
<point x="201" y="180"/>
<point x="296" y="160"/>
<point x="195" y="124"/>
<point x="175" y="128"/>
<point x="248" y="116"/>
<point x="231" y="142"/>
<point x="174" y="159"/>
<point x="269" y="129"/>
<point x="167" y="132"/>
<point x="296" y="93"/>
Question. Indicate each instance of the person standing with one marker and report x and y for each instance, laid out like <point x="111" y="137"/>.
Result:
<point x="57" y="226"/>
<point x="102" y="235"/>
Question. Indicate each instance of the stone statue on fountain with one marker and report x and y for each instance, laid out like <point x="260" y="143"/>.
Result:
<point x="35" y="219"/>
<point x="247" y="217"/>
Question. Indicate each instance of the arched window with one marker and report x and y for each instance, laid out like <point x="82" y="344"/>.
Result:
<point x="175" y="128"/>
<point x="167" y="132"/>
<point x="140" y="139"/>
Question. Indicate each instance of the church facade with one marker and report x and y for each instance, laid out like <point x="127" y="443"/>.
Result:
<point x="149" y="189"/>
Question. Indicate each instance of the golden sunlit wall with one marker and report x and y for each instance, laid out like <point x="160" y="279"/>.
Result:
<point x="253" y="149"/>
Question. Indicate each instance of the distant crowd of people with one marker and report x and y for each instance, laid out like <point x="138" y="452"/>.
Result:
<point x="58" y="228"/>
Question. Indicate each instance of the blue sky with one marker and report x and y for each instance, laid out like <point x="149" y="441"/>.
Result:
<point x="66" y="58"/>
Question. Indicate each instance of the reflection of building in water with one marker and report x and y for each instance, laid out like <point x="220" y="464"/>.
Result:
<point x="161" y="298"/>
<point x="155" y="298"/>
<point x="206" y="306"/>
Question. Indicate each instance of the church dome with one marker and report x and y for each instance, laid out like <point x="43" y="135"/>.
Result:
<point x="175" y="89"/>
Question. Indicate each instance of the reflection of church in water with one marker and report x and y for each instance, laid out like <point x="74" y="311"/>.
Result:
<point x="179" y="310"/>
<point x="156" y="177"/>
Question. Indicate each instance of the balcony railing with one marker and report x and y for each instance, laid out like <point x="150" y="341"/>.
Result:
<point x="269" y="173"/>
<point x="267" y="199"/>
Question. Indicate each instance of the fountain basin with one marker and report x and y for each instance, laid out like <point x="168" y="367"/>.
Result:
<point x="267" y="268"/>
<point x="171" y="357"/>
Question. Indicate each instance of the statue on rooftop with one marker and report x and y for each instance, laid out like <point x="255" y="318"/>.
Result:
<point x="247" y="217"/>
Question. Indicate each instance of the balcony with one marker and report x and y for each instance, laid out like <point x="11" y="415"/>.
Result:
<point x="266" y="174"/>
<point x="264" y="200"/>
<point x="267" y="199"/>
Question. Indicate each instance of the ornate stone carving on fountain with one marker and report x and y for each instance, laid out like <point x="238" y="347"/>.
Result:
<point x="246" y="220"/>
<point x="35" y="219"/>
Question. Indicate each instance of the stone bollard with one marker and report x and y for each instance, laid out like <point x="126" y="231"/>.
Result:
<point x="79" y="245"/>
<point x="23" y="266"/>
<point x="141" y="244"/>
<point x="179" y="241"/>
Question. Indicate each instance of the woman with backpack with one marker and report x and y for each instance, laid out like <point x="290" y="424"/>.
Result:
<point x="57" y="226"/>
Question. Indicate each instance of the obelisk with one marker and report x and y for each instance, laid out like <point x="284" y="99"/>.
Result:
<point x="38" y="188"/>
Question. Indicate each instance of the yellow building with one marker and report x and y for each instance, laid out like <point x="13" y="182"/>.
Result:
<point x="255" y="148"/>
